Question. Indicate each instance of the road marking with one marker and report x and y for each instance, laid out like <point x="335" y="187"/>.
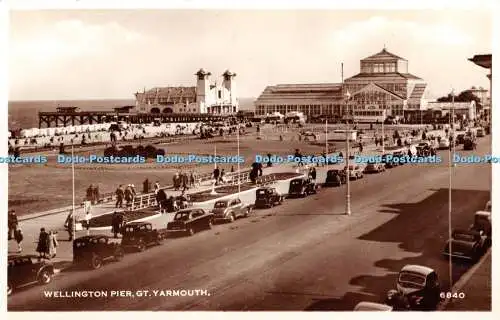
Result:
<point x="463" y="281"/>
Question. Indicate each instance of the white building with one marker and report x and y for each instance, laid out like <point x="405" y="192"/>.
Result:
<point x="206" y="97"/>
<point x="465" y="110"/>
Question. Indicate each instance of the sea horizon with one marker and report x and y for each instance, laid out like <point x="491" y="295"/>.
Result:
<point x="23" y="114"/>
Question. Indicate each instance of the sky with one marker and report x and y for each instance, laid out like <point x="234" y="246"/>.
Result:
<point x="111" y="54"/>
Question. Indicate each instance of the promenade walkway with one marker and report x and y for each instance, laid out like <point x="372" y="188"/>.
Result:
<point x="54" y="219"/>
<point x="476" y="285"/>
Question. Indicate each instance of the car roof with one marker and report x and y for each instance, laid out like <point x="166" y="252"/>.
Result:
<point x="483" y="213"/>
<point x="95" y="236"/>
<point x="417" y="269"/>
<point x="372" y="306"/>
<point x="21" y="256"/>
<point x="463" y="231"/>
<point x="137" y="223"/>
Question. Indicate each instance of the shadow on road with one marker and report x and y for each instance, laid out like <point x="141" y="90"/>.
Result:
<point x="420" y="228"/>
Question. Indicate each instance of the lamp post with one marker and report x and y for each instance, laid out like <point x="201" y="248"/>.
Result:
<point x="383" y="132"/>
<point x="213" y="192"/>
<point x="73" y="225"/>
<point x="450" y="173"/>
<point x="348" y="147"/>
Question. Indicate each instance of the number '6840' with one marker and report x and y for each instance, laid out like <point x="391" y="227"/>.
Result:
<point x="454" y="295"/>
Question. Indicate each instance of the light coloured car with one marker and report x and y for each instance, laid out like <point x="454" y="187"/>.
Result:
<point x="355" y="172"/>
<point x="230" y="209"/>
<point x="372" y="306"/>
<point x="444" y="143"/>
<point x="488" y="206"/>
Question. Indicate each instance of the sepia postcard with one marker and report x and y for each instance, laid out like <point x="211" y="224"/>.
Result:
<point x="225" y="159"/>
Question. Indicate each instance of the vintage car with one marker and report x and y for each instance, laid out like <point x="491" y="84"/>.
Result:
<point x="302" y="187"/>
<point x="92" y="250"/>
<point x="24" y="270"/>
<point x="479" y="132"/>
<point x="488" y="206"/>
<point x="444" y="143"/>
<point x="466" y="244"/>
<point x="374" y="167"/>
<point x="482" y="222"/>
<point x="335" y="177"/>
<point x="459" y="138"/>
<point x="470" y="143"/>
<point x="230" y="210"/>
<point x="355" y="172"/>
<point x="189" y="221"/>
<point x="139" y="235"/>
<point x="420" y="285"/>
<point x="372" y="306"/>
<point x="267" y="197"/>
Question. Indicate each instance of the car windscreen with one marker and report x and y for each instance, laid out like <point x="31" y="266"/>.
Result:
<point x="464" y="237"/>
<point x="411" y="279"/>
<point x="181" y="216"/>
<point x="220" y="205"/>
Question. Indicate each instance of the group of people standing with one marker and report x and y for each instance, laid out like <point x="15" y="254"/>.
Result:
<point x="128" y="194"/>
<point x="47" y="244"/>
<point x="93" y="194"/>
<point x="181" y="180"/>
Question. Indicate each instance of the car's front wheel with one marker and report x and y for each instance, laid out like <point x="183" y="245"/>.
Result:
<point x="45" y="277"/>
<point x="209" y="224"/>
<point x="119" y="254"/>
<point x="96" y="262"/>
<point x="9" y="289"/>
<point x="232" y="218"/>
<point x="141" y="246"/>
<point x="190" y="231"/>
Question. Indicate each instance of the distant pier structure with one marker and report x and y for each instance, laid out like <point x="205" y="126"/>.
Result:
<point x="71" y="116"/>
<point x="204" y="102"/>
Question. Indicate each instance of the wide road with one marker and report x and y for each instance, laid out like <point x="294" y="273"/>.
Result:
<point x="303" y="255"/>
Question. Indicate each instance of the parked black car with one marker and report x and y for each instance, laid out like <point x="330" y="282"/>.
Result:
<point x="302" y="187"/>
<point x="189" y="221"/>
<point x="23" y="270"/>
<point x="466" y="244"/>
<point x="139" y="235"/>
<point x="420" y="285"/>
<point x="469" y="143"/>
<point x="92" y="250"/>
<point x="335" y="177"/>
<point x="267" y="197"/>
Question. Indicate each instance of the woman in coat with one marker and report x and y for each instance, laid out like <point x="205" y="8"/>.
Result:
<point x="42" y="247"/>
<point x="52" y="244"/>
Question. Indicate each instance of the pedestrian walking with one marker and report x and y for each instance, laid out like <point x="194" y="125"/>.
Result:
<point x="115" y="224"/>
<point x="128" y="196"/>
<point x="18" y="236"/>
<point x="52" y="244"/>
<point x="222" y="175"/>
<point x="42" y="246"/>
<point x="120" y="194"/>
<point x="90" y="194"/>
<point x="185" y="181"/>
<point x="12" y="223"/>
<point x="161" y="199"/>
<point x="145" y="186"/>
<point x="70" y="225"/>
<point x="96" y="195"/>
<point x="191" y="179"/>
<point x="216" y="174"/>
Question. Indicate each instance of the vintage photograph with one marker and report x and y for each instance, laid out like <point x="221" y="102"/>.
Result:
<point x="250" y="160"/>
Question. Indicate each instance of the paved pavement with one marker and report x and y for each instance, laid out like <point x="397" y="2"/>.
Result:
<point x="476" y="285"/>
<point x="280" y="258"/>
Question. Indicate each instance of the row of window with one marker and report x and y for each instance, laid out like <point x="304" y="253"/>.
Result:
<point x="378" y="67"/>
